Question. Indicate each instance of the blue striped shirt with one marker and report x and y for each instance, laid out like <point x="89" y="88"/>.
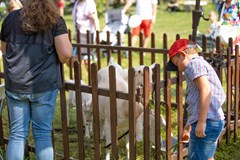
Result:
<point x="198" y="67"/>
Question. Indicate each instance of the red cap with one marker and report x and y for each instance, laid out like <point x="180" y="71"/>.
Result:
<point x="178" y="46"/>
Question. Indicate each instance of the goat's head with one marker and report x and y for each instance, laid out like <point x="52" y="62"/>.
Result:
<point x="87" y="111"/>
<point x="140" y="126"/>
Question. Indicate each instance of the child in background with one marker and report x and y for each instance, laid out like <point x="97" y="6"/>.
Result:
<point x="147" y="10"/>
<point x="205" y="96"/>
<point x="61" y="5"/>
<point x="214" y="26"/>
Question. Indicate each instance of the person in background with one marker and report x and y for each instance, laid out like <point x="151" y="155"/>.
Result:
<point x="71" y="4"/>
<point x="35" y="42"/>
<point x="173" y="5"/>
<point x="205" y="97"/>
<point x="147" y="10"/>
<point x="14" y="5"/>
<point x="214" y="25"/>
<point x="61" y="5"/>
<point x="230" y="15"/>
<point x="85" y="16"/>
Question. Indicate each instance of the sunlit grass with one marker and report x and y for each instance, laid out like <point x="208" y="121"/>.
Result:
<point x="167" y="22"/>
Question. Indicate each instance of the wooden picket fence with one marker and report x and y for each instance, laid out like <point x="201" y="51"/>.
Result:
<point x="167" y="90"/>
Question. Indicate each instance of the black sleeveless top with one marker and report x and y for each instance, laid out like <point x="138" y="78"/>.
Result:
<point x="31" y="62"/>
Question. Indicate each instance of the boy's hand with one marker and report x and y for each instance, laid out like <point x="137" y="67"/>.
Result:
<point x="200" y="129"/>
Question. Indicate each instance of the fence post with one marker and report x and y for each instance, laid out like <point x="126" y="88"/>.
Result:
<point x="167" y="96"/>
<point x="64" y="117"/>
<point x="130" y="52"/>
<point x="98" y="50"/>
<point x="236" y="116"/>
<point x="97" y="142"/>
<point x="119" y="43"/>
<point x="229" y="94"/>
<point x="79" y="115"/>
<point x="180" y="114"/>
<point x="79" y="50"/>
<point x="70" y="61"/>
<point x="146" y="113"/>
<point x="141" y="45"/>
<point x="88" y="55"/>
<point x="157" y="108"/>
<point x="113" y="111"/>
<point x="165" y="46"/>
<point x="153" y="54"/>
<point x="132" y="113"/>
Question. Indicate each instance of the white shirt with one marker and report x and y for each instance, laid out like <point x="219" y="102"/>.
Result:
<point x="144" y="8"/>
<point x="81" y="15"/>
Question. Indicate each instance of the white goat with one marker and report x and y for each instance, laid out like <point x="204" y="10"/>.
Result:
<point x="86" y="108"/>
<point x="122" y="111"/>
<point x="140" y="129"/>
<point x="138" y="72"/>
<point x="122" y="108"/>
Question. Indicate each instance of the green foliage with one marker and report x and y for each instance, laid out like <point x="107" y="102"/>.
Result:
<point x="101" y="6"/>
<point x="171" y="23"/>
<point x="3" y="12"/>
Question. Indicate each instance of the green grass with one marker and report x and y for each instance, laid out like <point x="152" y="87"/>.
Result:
<point x="169" y="23"/>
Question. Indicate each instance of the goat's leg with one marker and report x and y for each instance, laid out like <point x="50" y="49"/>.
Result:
<point x="127" y="146"/>
<point x="108" y="152"/>
<point x="91" y="125"/>
<point x="87" y="133"/>
<point x="86" y="124"/>
<point x="108" y="138"/>
<point x="102" y="131"/>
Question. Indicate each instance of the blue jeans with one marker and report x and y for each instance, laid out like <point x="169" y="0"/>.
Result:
<point x="38" y="109"/>
<point x="204" y="148"/>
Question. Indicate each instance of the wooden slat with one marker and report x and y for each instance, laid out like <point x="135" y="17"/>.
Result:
<point x="168" y="116"/>
<point x="236" y="106"/>
<point x="113" y="111"/>
<point x="229" y="96"/>
<point x="141" y="62"/>
<point x="153" y="55"/>
<point x="64" y="118"/>
<point x="132" y="113"/>
<point x="146" y="113"/>
<point x="79" y="115"/>
<point x="157" y="108"/>
<point x="96" y="127"/>
<point x="180" y="115"/>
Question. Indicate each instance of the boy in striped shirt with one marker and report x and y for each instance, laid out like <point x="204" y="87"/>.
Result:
<point x="205" y="96"/>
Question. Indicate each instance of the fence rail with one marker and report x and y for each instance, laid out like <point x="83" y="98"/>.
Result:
<point x="161" y="91"/>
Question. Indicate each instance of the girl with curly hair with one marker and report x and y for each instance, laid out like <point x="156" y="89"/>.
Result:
<point x="35" y="42"/>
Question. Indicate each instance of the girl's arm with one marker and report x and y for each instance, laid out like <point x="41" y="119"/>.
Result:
<point x="63" y="47"/>
<point x="3" y="47"/>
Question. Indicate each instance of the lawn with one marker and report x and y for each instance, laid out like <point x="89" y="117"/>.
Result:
<point x="171" y="23"/>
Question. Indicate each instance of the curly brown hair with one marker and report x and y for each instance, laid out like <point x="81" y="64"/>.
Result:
<point x="38" y="15"/>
